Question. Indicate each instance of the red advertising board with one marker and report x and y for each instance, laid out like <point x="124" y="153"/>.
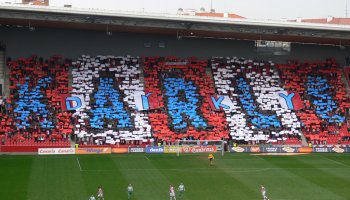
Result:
<point x="255" y="149"/>
<point x="305" y="150"/>
<point x="198" y="149"/>
<point x="120" y="150"/>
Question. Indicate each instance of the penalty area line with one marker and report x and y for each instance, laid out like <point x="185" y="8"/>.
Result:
<point x="79" y="164"/>
<point x="146" y="157"/>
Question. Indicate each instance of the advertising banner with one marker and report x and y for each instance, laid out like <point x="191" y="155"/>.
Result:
<point x="272" y="149"/>
<point x="172" y="149"/>
<point x="289" y="149"/>
<point x="331" y="149"/>
<point x="154" y="149"/>
<point x="55" y="151"/>
<point x="199" y="149"/>
<point x="254" y="149"/>
<point x="136" y="150"/>
<point x="305" y="150"/>
<point x="330" y="145"/>
<point x="338" y="149"/>
<point x="322" y="149"/>
<point x="94" y="150"/>
<point x="240" y="149"/>
<point x="120" y="150"/>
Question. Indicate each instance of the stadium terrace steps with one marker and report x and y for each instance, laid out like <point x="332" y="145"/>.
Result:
<point x="4" y="73"/>
<point x="2" y="64"/>
<point x="72" y="144"/>
<point x="304" y="141"/>
<point x="70" y="76"/>
<point x="346" y="82"/>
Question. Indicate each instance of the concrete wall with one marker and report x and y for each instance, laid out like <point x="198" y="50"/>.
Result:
<point x="20" y="42"/>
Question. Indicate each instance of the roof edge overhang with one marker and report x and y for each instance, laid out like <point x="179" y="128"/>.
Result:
<point x="43" y="16"/>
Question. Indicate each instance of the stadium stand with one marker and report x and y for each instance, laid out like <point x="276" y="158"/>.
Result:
<point x="108" y="86"/>
<point x="34" y="106"/>
<point x="180" y="100"/>
<point x="325" y="116"/>
<point x="223" y="98"/>
<point x="6" y="124"/>
<point x="256" y="115"/>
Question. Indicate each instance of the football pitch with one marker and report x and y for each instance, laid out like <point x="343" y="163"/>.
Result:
<point x="234" y="176"/>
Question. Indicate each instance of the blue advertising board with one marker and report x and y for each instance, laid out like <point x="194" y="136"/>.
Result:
<point x="154" y="149"/>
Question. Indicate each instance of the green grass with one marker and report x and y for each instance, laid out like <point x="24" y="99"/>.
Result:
<point x="235" y="176"/>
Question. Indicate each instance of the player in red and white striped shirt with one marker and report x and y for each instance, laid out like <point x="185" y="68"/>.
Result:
<point x="100" y="193"/>
<point x="172" y="193"/>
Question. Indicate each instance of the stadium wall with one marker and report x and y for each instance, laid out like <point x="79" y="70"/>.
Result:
<point x="45" y="42"/>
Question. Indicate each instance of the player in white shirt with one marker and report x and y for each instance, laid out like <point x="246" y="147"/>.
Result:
<point x="130" y="191"/>
<point x="172" y="193"/>
<point x="92" y="197"/>
<point x="100" y="193"/>
<point x="181" y="190"/>
<point x="263" y="192"/>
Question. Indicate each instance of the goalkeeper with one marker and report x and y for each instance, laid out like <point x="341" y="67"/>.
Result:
<point x="211" y="158"/>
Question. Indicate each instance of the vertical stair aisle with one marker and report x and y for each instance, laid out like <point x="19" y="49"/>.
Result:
<point x="3" y="73"/>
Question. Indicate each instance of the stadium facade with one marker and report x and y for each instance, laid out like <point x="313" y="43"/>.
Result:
<point x="214" y="94"/>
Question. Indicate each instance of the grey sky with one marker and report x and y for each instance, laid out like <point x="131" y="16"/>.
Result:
<point x="255" y="9"/>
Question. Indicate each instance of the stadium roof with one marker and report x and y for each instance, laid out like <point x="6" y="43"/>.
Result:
<point x="214" y="14"/>
<point x="171" y="24"/>
<point x="329" y="20"/>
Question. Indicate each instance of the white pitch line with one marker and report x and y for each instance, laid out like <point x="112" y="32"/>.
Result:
<point x="146" y="157"/>
<point x="79" y="164"/>
<point x="257" y="157"/>
<point x="339" y="163"/>
<point x="186" y="170"/>
<point x="204" y="170"/>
